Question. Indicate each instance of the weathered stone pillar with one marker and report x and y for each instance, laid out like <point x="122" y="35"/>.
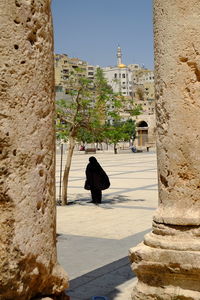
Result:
<point x="167" y="263"/>
<point x="28" y="263"/>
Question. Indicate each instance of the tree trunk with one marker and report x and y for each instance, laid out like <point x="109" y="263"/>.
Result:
<point x="115" y="148"/>
<point x="67" y="169"/>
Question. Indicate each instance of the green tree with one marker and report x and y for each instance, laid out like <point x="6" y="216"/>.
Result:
<point x="72" y="115"/>
<point x="116" y="129"/>
<point x="82" y="116"/>
<point x="129" y="129"/>
<point x="114" y="134"/>
<point x="120" y="131"/>
<point x="91" y="114"/>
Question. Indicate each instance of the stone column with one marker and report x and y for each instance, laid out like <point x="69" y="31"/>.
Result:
<point x="28" y="263"/>
<point x="167" y="263"/>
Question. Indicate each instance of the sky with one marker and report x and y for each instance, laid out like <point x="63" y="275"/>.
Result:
<point x="92" y="30"/>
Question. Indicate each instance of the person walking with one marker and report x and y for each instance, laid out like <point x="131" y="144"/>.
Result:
<point x="96" y="180"/>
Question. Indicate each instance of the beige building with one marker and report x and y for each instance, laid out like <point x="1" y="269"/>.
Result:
<point x="91" y="70"/>
<point x="64" y="66"/>
<point x="144" y="94"/>
<point x="141" y="75"/>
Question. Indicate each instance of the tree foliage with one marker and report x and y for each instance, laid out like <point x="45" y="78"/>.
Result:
<point x="92" y="113"/>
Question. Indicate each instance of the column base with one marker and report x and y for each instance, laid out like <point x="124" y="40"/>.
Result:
<point x="167" y="264"/>
<point x="143" y="291"/>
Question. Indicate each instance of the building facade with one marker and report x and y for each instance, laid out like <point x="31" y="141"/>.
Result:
<point x="64" y="67"/>
<point x="135" y="82"/>
<point x="120" y="76"/>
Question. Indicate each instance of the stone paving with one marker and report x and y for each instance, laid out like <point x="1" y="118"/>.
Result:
<point x="93" y="241"/>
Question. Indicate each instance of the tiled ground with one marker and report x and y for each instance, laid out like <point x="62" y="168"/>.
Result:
<point x="93" y="241"/>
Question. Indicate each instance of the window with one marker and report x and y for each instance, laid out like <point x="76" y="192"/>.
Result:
<point x="65" y="71"/>
<point x="58" y="88"/>
<point x="90" y="73"/>
<point x="123" y="75"/>
<point x="115" y="75"/>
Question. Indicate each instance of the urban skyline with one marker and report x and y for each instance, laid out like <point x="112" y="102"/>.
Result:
<point x="92" y="30"/>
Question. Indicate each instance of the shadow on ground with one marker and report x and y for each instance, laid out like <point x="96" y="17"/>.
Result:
<point x="120" y="199"/>
<point x="102" y="281"/>
<point x="81" y="199"/>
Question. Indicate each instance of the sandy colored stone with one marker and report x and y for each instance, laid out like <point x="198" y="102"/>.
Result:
<point x="167" y="263"/>
<point x="28" y="263"/>
<point x="177" y="53"/>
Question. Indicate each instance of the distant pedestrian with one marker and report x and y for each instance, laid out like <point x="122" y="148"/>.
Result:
<point x="133" y="149"/>
<point x="96" y="180"/>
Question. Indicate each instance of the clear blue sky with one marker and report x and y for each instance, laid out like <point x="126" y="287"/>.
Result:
<point x="92" y="29"/>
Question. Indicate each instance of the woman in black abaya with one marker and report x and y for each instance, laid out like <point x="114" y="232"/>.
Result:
<point x="96" y="180"/>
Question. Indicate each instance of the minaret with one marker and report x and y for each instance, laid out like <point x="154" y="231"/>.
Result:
<point x="119" y="56"/>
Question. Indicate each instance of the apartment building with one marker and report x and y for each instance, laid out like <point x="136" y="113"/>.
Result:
<point x="91" y="70"/>
<point x="64" y="67"/>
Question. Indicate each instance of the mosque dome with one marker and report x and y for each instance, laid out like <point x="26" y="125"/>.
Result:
<point x="121" y="66"/>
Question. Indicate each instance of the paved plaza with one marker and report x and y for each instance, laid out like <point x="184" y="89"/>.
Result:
<point x="93" y="241"/>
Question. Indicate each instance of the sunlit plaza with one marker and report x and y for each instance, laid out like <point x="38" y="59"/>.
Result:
<point x="93" y="241"/>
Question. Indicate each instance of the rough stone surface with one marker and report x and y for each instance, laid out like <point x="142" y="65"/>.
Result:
<point x="177" y="54"/>
<point x="167" y="263"/>
<point x="28" y="264"/>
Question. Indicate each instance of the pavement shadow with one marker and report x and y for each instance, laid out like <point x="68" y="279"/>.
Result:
<point x="75" y="199"/>
<point x="102" y="281"/>
<point x="82" y="200"/>
<point x="119" y="199"/>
